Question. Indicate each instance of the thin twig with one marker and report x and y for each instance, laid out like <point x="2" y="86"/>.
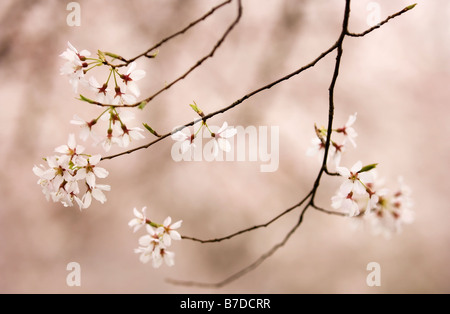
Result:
<point x="181" y="32"/>
<point x="191" y="69"/>
<point x="266" y="255"/>
<point x="328" y="211"/>
<point x="381" y="23"/>
<point x="247" y="269"/>
<point x="234" y="104"/>
<point x="251" y="228"/>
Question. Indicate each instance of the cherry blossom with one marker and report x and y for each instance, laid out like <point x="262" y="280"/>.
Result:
<point x="74" y="66"/>
<point x="153" y="246"/>
<point x="102" y="91"/>
<point x="220" y="138"/>
<point x="169" y="232"/>
<point x="356" y="180"/>
<point x="139" y="220"/>
<point x="348" y="130"/>
<point x="131" y="77"/>
<point x="86" y="127"/>
<point x="346" y="203"/>
<point x="185" y="138"/>
<point x="60" y="181"/>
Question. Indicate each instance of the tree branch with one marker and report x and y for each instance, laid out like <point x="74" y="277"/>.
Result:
<point x="181" y="32"/>
<point x="410" y="7"/>
<point x="247" y="269"/>
<point x="234" y="104"/>
<point x="328" y="211"/>
<point x="251" y="228"/>
<point x="190" y="70"/>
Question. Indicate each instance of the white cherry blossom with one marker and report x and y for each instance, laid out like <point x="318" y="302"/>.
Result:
<point x="220" y="138"/>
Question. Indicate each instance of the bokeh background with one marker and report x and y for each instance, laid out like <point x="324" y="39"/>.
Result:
<point x="396" y="78"/>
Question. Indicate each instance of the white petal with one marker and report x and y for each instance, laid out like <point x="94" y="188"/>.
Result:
<point x="175" y="235"/>
<point x="136" y="133"/>
<point x="179" y="136"/>
<point x="131" y="67"/>
<point x="358" y="188"/>
<point x="77" y="120"/>
<point x="134" y="88"/>
<point x="185" y="146"/>
<point x="343" y="171"/>
<point x="224" y="126"/>
<point x="169" y="258"/>
<point x="346" y="187"/>
<point x="137" y="213"/>
<point x="366" y="177"/>
<point x="176" y="225"/>
<point x="224" y="144"/>
<point x="351" y="120"/>
<point x="103" y="187"/>
<point x="100" y="172"/>
<point x="145" y="258"/>
<point x="356" y="167"/>
<point x="134" y="222"/>
<point x="157" y="262"/>
<point x="63" y="149"/>
<point x="85" y="53"/>
<point x="81" y="174"/>
<point x="167" y="221"/>
<point x="128" y="98"/>
<point x="71" y="47"/>
<point x="145" y="240"/>
<point x="125" y="140"/>
<point x="93" y="160"/>
<point x="99" y="195"/>
<point x="137" y="75"/>
<point x="72" y="143"/>
<point x="150" y="229"/>
<point x="90" y="179"/>
<point x="215" y="148"/>
<point x="87" y="200"/>
<point x="167" y="240"/>
<point x="228" y="133"/>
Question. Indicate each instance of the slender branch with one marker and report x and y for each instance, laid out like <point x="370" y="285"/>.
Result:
<point x="247" y="269"/>
<point x="269" y="253"/>
<point x="333" y="174"/>
<point x="410" y="7"/>
<point x="234" y="104"/>
<point x="328" y="211"/>
<point x="191" y="69"/>
<point x="181" y="32"/>
<point x="311" y="195"/>
<point x="337" y="65"/>
<point x="251" y="228"/>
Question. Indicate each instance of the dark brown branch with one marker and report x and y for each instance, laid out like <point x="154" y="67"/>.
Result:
<point x="266" y="255"/>
<point x="181" y="32"/>
<point x="328" y="211"/>
<point x="381" y="23"/>
<point x="339" y="47"/>
<point x="251" y="228"/>
<point x="191" y="69"/>
<point x="247" y="269"/>
<point x="235" y="103"/>
<point x="337" y="65"/>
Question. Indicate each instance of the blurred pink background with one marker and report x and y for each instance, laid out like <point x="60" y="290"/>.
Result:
<point x="396" y="78"/>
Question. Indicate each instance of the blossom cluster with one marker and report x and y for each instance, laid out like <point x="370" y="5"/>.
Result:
<point x="363" y="196"/>
<point x="336" y="147"/>
<point x="60" y="180"/>
<point x="219" y="138"/>
<point x="123" y="92"/>
<point x="153" y="246"/>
